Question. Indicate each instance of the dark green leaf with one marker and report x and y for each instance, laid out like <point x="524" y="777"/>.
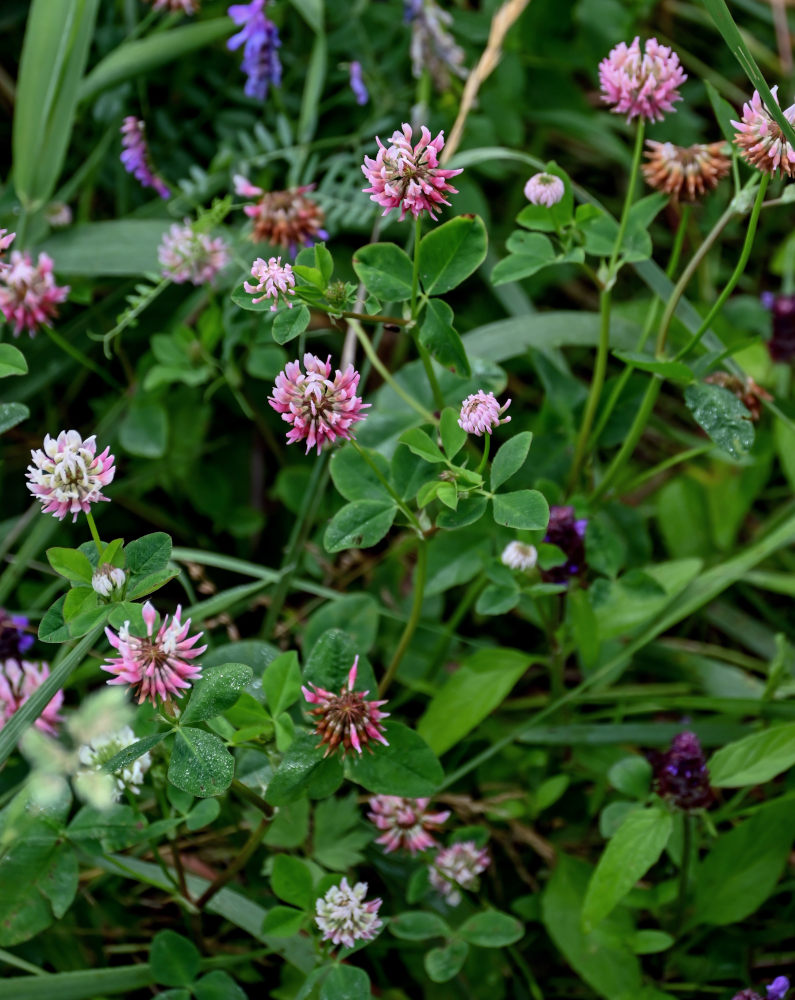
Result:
<point x="12" y="414"/>
<point x="148" y="554"/>
<point x="418" y="926"/>
<point x="632" y="776"/>
<point x="70" y="563"/>
<point x="144" y="429"/>
<point x="677" y="371"/>
<point x="418" y="442"/>
<point x="218" y="985"/>
<point x="451" y="252"/>
<point x="174" y="959"/>
<point x="282" y="682"/>
<point x="491" y="929"/>
<point x="203" y="813"/>
<point x="444" y="964"/>
<point x="216" y="691"/>
<point x="346" y="982"/>
<point x="12" y="361"/>
<point x="441" y="339"/>
<point x="131" y="753"/>
<point x="721" y="414"/>
<point x="453" y="435"/>
<point x="289" y="323"/>
<point x="291" y="881"/>
<point x="523" y="509"/>
<point x="283" y="921"/>
<point x="755" y="759"/>
<point x="200" y="763"/>
<point x="303" y="769"/>
<point x="510" y="458"/>
<point x="406" y="767"/>
<point x="386" y="270"/>
<point x="359" y="525"/>
<point x="355" y="478"/>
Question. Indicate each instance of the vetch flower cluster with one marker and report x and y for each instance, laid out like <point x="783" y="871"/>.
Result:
<point x="67" y="475"/>
<point x="458" y="867"/>
<point x="275" y="280"/>
<point x="433" y="48"/>
<point x="782" y="342"/>
<point x="29" y="296"/>
<point x="156" y="666"/>
<point x="18" y="680"/>
<point x="135" y="156"/>
<point x="346" y="719"/>
<point x="761" y="141"/>
<point x="344" y="915"/>
<point x="641" y="83"/>
<point x="567" y="532"/>
<point x="517" y="555"/>
<point x="260" y="39"/>
<point x="406" y="824"/>
<point x="409" y="177"/>
<point x="776" y="990"/>
<point x="283" y="218"/>
<point x="481" y="413"/>
<point x="108" y="579"/>
<point x="681" y="774"/>
<point x="186" y="255"/>
<point x="15" y="640"/>
<point x="319" y="408"/>
<point x="99" y="751"/>
<point x="685" y="172"/>
<point x="358" y="86"/>
<point x="544" y="189"/>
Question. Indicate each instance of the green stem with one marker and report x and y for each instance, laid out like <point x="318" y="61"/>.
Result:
<point x="84" y="360"/>
<point x="632" y="438"/>
<point x="596" y="388"/>
<point x="633" y="176"/>
<point x="300" y="532"/>
<point x="387" y="376"/>
<point x="415" y="274"/>
<point x="95" y="535"/>
<point x="239" y="862"/>
<point x="425" y="357"/>
<point x="376" y="318"/>
<point x="687" y="849"/>
<point x="486" y="446"/>
<point x="388" y="487"/>
<point x="411" y="625"/>
<point x="736" y="274"/>
<point x="669" y="463"/>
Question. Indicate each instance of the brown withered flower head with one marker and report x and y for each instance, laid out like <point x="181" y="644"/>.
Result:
<point x="347" y="719"/>
<point x="746" y="390"/>
<point x="686" y="173"/>
<point x="283" y="218"/>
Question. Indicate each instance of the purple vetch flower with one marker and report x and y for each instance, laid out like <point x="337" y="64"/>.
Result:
<point x="681" y="774"/>
<point x="346" y="719"/>
<point x="782" y="343"/>
<point x="778" y="989"/>
<point x="67" y="475"/>
<point x="405" y="824"/>
<point x="481" y="413"/>
<point x="544" y="189"/>
<point x="345" y="917"/>
<point x="568" y="533"/>
<point x="135" y="155"/>
<point x="432" y="45"/>
<point x="641" y="83"/>
<point x="260" y="38"/>
<point x="458" y="867"/>
<point x="357" y="83"/>
<point x="15" y="640"/>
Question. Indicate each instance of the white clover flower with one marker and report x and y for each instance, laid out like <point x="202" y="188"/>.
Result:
<point x="519" y="556"/>
<point x="345" y="917"/>
<point x="102" y="748"/>
<point x="107" y="579"/>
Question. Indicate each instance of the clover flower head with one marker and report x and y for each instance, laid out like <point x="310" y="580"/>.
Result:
<point x="260" y="40"/>
<point x="681" y="774"/>
<point x="18" y="680"/>
<point x="346" y="719"/>
<point x="108" y="579"/>
<point x="186" y="255"/>
<point x="185" y="6"/>
<point x="641" y="83"/>
<point x="480" y="413"/>
<point x="358" y="85"/>
<point x="344" y="915"/>
<point x="319" y="408"/>
<point x="155" y="666"/>
<point x="520" y="556"/>
<point x="15" y="639"/>
<point x="58" y="214"/>
<point x="409" y="177"/>
<point x="275" y="280"/>
<point x="458" y="867"/>
<point x="29" y="297"/>
<point x="406" y="824"/>
<point x="761" y="141"/>
<point x="433" y="47"/>
<point x="6" y="239"/>
<point x="283" y="218"/>
<point x="101" y="749"/>
<point x="685" y="173"/>
<point x="544" y="189"/>
<point x="567" y="532"/>
<point x="135" y="155"/>
<point x="67" y="475"/>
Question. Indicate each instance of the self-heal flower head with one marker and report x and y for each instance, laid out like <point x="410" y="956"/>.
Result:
<point x="108" y="579"/>
<point x="186" y="255"/>
<point x="406" y="824"/>
<point x="29" y="297"/>
<point x="156" y="666"/>
<point x="358" y="85"/>
<point x="260" y="40"/>
<point x="101" y="749"/>
<point x="567" y="532"/>
<point x="458" y="867"/>
<point x="409" y="177"/>
<point x="782" y="341"/>
<point x="685" y="173"/>
<point x="681" y="774"/>
<point x="6" y="239"/>
<point x="319" y="408"/>
<point x="761" y="141"/>
<point x="344" y="915"/>
<point x="67" y="475"/>
<point x="481" y="413"/>
<point x="15" y="639"/>
<point x="18" y="680"/>
<point x="518" y="555"/>
<point x="544" y="189"/>
<point x="283" y="218"/>
<point x="135" y="156"/>
<point x="183" y="6"/>
<point x="346" y="719"/>
<point x="275" y="280"/>
<point x="641" y="83"/>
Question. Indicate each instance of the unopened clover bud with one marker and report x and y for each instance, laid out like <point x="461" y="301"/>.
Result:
<point x="108" y="579"/>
